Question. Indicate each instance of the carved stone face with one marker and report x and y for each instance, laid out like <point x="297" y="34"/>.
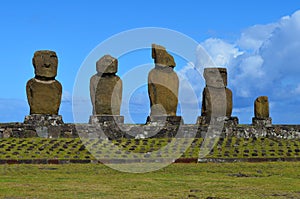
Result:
<point x="45" y="63"/>
<point x="263" y="99"/>
<point x="107" y="64"/>
<point x="215" y="77"/>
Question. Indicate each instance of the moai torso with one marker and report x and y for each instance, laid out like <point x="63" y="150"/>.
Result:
<point x="216" y="102"/>
<point x="93" y="86"/>
<point x="216" y="98"/>
<point x="163" y="83"/>
<point x="43" y="91"/>
<point x="106" y="87"/>
<point x="261" y="107"/>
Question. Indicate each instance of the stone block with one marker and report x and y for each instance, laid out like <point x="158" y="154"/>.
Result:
<point x="162" y="57"/>
<point x="215" y="77"/>
<point x="265" y="122"/>
<point x="164" y="120"/>
<point x="107" y="64"/>
<point x="226" y="121"/>
<point x="101" y="119"/>
<point x="43" y="120"/>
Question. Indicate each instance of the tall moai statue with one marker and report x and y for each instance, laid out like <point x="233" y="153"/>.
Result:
<point x="43" y="91"/>
<point x="216" y="97"/>
<point x="261" y="112"/>
<point x="106" y="91"/>
<point x="163" y="84"/>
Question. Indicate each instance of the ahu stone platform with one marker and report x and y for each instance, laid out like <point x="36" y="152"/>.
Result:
<point x="112" y="130"/>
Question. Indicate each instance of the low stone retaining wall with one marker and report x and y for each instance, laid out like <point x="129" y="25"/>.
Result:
<point x="117" y="131"/>
<point x="122" y="161"/>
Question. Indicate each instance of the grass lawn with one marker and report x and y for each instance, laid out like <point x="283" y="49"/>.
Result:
<point x="204" y="180"/>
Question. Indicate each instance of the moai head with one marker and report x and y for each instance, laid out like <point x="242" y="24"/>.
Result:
<point x="45" y="63"/>
<point x="261" y="107"/>
<point x="162" y="57"/>
<point x="107" y="64"/>
<point x="215" y="77"/>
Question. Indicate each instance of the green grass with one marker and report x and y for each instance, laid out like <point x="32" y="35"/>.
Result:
<point x="226" y="180"/>
<point x="235" y="180"/>
<point x="67" y="148"/>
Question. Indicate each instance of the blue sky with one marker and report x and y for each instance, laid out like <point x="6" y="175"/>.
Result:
<point x="258" y="41"/>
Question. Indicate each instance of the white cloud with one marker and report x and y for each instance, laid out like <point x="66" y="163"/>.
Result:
<point x="66" y="97"/>
<point x="203" y="59"/>
<point x="263" y="61"/>
<point x="253" y="37"/>
<point x="220" y="51"/>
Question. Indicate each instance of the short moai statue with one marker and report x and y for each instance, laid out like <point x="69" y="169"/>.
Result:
<point x="43" y="91"/>
<point x="261" y="112"/>
<point x="216" y="97"/>
<point x="163" y="84"/>
<point x="106" y="91"/>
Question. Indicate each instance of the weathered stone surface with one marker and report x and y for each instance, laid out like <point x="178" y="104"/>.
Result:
<point x="104" y="119"/>
<point x="7" y="133"/>
<point x="227" y="122"/>
<point x="43" y="120"/>
<point x="44" y="97"/>
<point x="216" y="102"/>
<point x="107" y="64"/>
<point x="112" y="131"/>
<point x="163" y="87"/>
<point x="164" y="120"/>
<point x="215" y="77"/>
<point x="266" y="122"/>
<point x="43" y="91"/>
<point x="106" y="87"/>
<point x="216" y="98"/>
<point x="93" y="86"/>
<point x="163" y="83"/>
<point x="108" y="95"/>
<point x="45" y="64"/>
<point x="261" y="107"/>
<point x="162" y="57"/>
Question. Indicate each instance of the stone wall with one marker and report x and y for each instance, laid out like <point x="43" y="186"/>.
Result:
<point x="116" y="131"/>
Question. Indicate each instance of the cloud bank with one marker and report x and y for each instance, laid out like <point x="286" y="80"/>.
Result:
<point x="264" y="60"/>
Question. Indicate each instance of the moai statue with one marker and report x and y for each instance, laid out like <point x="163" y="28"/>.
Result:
<point x="106" y="91"/>
<point x="216" y="97"/>
<point x="261" y="112"/>
<point x="43" y="91"/>
<point x="163" y="86"/>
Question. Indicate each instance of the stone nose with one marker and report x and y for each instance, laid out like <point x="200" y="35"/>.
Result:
<point x="47" y="65"/>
